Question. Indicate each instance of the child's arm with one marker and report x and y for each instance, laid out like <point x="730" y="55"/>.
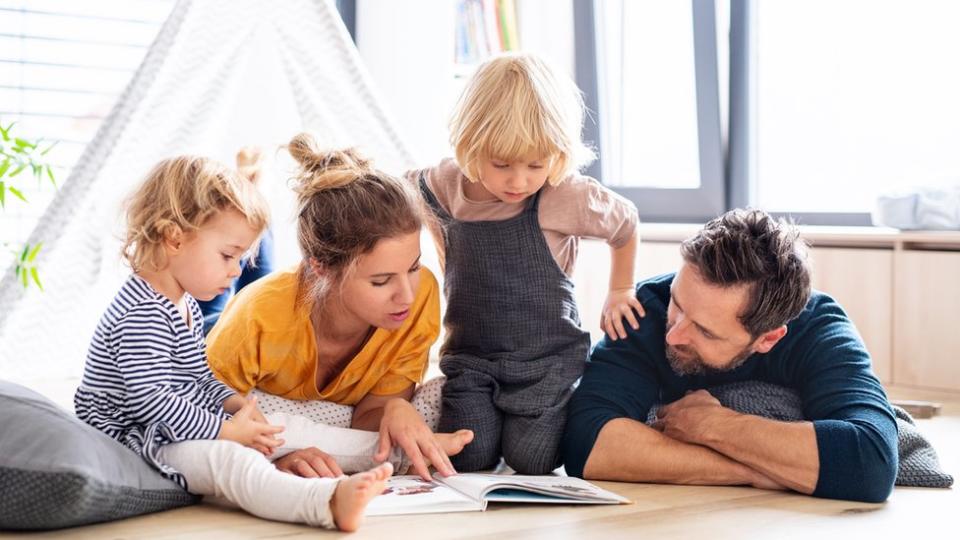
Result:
<point x="234" y="403"/>
<point x="247" y="428"/>
<point x="146" y="366"/>
<point x="622" y="298"/>
<point x="220" y="393"/>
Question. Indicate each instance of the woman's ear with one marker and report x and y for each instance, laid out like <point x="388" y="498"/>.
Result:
<point x="317" y="269"/>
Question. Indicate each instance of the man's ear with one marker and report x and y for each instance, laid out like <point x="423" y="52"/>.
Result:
<point x="767" y="340"/>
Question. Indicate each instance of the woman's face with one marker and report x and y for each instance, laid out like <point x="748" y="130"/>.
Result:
<point x="382" y="286"/>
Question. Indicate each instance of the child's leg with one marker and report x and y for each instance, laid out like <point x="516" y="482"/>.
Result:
<point x="531" y="444"/>
<point x="468" y="404"/>
<point x="353" y="449"/>
<point x="244" y="477"/>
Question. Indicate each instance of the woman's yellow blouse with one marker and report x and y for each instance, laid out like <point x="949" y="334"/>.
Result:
<point x="264" y="340"/>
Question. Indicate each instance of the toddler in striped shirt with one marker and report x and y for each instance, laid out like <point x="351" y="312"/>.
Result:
<point x="147" y="383"/>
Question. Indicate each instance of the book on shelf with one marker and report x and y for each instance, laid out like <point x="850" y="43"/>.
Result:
<point x="473" y="491"/>
<point x="484" y="28"/>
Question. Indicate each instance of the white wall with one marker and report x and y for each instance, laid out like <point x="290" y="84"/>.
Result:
<point x="408" y="48"/>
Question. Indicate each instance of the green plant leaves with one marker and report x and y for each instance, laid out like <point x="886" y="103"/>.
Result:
<point x="16" y="155"/>
<point x="26" y="267"/>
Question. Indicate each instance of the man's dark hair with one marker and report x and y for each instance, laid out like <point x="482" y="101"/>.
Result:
<point x="749" y="247"/>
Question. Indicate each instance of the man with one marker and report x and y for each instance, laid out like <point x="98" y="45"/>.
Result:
<point x="740" y="308"/>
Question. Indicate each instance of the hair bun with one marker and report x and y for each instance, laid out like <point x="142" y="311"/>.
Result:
<point x="325" y="169"/>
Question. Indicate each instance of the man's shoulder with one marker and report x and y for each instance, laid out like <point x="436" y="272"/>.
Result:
<point x="821" y="309"/>
<point x="654" y="292"/>
<point x="645" y="343"/>
<point x="822" y="326"/>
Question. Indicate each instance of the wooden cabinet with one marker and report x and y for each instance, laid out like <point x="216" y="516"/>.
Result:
<point x="926" y="320"/>
<point x="861" y="280"/>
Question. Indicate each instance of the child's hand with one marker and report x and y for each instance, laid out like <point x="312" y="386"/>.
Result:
<point x="249" y="428"/>
<point x="259" y="417"/>
<point x="249" y="163"/>
<point x="620" y="304"/>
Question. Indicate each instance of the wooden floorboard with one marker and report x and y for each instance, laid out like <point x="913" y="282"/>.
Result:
<point x="658" y="511"/>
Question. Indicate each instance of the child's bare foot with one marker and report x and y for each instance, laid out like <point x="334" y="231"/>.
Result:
<point x="353" y="493"/>
<point x="453" y="443"/>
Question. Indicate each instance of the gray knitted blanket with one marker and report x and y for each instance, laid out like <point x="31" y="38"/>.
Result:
<point x="919" y="466"/>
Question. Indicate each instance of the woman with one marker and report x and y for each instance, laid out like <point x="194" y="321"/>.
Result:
<point x="353" y="323"/>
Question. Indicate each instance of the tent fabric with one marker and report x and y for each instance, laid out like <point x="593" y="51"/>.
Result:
<point x="220" y="75"/>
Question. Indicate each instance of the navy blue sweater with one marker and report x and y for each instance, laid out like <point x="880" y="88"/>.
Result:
<point x="822" y="358"/>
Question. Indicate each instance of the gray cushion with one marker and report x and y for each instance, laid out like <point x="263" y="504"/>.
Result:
<point x="56" y="471"/>
<point x="918" y="465"/>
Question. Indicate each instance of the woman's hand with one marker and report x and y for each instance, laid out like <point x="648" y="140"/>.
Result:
<point x="309" y="463"/>
<point x="620" y="304"/>
<point x="402" y="426"/>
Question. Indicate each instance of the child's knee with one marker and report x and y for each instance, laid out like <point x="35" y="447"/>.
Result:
<point x="481" y="454"/>
<point x="525" y="456"/>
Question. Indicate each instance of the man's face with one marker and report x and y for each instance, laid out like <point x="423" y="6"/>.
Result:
<point x="703" y="333"/>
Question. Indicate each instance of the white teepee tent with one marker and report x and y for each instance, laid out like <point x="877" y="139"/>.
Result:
<point x="221" y="74"/>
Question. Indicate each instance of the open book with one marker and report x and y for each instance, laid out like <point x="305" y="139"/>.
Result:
<point x="472" y="491"/>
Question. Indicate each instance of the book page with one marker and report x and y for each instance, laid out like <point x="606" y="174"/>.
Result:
<point x="413" y="495"/>
<point x="563" y="488"/>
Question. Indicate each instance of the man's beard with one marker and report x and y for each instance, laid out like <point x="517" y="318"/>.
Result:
<point x="691" y="363"/>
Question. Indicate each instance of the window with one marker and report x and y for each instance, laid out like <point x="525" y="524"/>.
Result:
<point x="853" y="99"/>
<point x="62" y="66"/>
<point x="658" y="105"/>
<point x="830" y="103"/>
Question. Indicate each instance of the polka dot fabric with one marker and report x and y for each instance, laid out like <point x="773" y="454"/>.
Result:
<point x="426" y="400"/>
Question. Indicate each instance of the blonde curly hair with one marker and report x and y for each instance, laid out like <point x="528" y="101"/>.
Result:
<point x="178" y="196"/>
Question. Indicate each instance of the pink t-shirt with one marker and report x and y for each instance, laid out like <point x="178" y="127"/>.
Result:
<point x="577" y="207"/>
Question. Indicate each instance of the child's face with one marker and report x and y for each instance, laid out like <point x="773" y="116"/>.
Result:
<point x="381" y="289"/>
<point x="514" y="181"/>
<point x="208" y="260"/>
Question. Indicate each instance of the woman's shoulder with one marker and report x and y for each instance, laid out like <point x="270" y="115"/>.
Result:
<point x="278" y="286"/>
<point x="428" y="284"/>
<point x="266" y="299"/>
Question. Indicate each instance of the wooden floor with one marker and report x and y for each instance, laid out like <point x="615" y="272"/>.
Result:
<point x="658" y="511"/>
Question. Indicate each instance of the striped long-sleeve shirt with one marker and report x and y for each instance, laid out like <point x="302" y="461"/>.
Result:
<point x="146" y="382"/>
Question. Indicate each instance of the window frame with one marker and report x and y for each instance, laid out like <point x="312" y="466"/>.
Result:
<point x="728" y="158"/>
<point x="663" y="204"/>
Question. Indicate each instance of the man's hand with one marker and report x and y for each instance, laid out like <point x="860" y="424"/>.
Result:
<point x="689" y="419"/>
<point x="309" y="463"/>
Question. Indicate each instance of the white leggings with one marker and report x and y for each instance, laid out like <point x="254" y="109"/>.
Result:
<point x="243" y="477"/>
